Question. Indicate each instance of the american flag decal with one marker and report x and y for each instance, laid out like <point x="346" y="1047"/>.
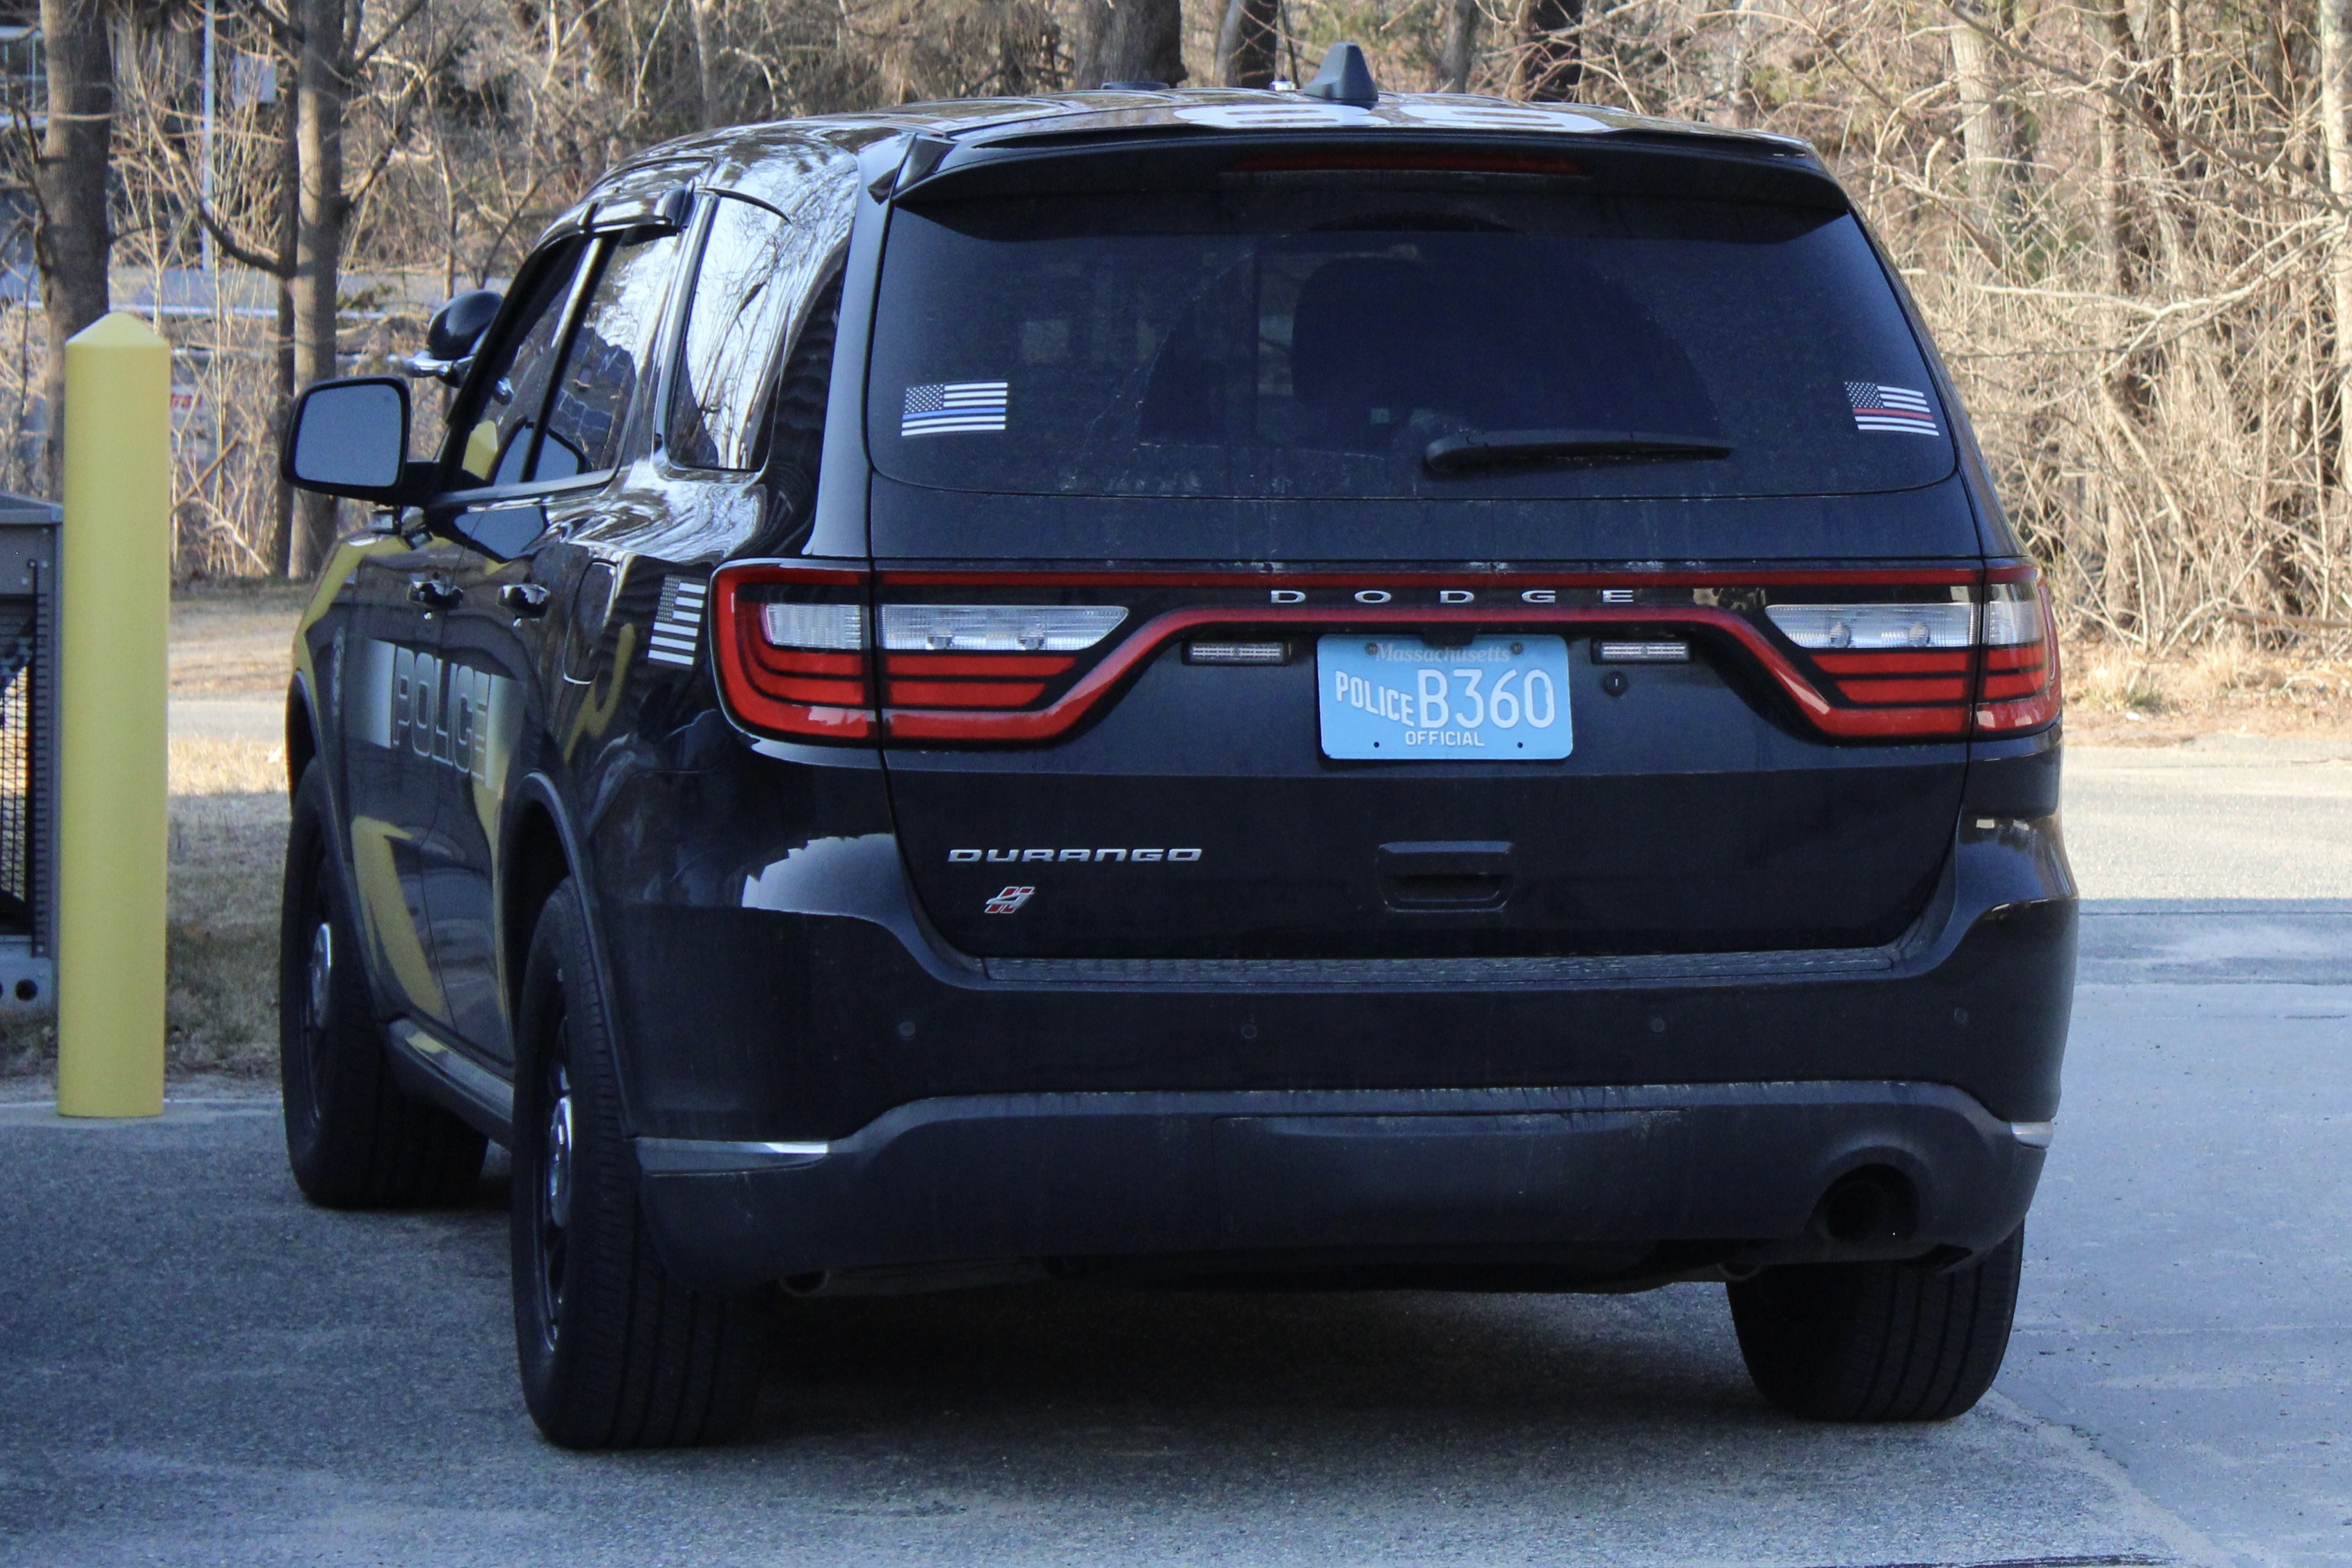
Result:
<point x="677" y="623"/>
<point x="1877" y="407"/>
<point x="949" y="408"/>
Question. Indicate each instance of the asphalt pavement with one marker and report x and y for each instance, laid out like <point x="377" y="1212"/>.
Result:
<point x="197" y="1368"/>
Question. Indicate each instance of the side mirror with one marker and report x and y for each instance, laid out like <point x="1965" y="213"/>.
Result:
<point x="458" y="326"/>
<point x="454" y="333"/>
<point x="350" y="438"/>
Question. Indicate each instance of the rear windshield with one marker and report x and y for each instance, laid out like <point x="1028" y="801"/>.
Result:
<point x="1341" y="344"/>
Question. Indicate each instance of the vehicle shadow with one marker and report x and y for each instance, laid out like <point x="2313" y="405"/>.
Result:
<point x="1156" y="1373"/>
<point x="1187" y="1364"/>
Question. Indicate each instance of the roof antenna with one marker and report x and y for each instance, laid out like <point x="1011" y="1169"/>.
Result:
<point x="1344" y="78"/>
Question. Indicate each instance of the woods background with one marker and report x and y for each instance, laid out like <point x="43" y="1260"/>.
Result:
<point x="2127" y="222"/>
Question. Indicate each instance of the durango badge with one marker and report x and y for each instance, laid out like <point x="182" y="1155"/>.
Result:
<point x="1099" y="857"/>
<point x="1009" y="901"/>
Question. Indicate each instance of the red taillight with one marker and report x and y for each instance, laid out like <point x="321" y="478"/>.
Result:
<point x="2019" y="689"/>
<point x="791" y="646"/>
<point x="1906" y="664"/>
<point x="1903" y="667"/>
<point x="1863" y="656"/>
<point x="964" y="657"/>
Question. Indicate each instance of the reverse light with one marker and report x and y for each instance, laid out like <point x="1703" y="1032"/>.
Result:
<point x="835" y="626"/>
<point x="999" y="628"/>
<point x="1876" y="626"/>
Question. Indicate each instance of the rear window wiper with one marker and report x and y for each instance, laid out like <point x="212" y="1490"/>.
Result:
<point x="1495" y="449"/>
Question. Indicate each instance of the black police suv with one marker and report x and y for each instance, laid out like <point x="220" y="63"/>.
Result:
<point x="1312" y="687"/>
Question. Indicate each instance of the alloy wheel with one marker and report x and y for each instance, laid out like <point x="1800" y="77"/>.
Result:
<point x="553" y="1198"/>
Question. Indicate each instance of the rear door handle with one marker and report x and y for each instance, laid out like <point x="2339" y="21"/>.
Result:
<point x="434" y="592"/>
<point x="524" y="598"/>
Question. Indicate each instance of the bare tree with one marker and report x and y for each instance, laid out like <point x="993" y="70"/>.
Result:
<point x="1130" y="40"/>
<point x="1551" y="50"/>
<point x="1459" y="54"/>
<point x="2336" y="120"/>
<point x="323" y="83"/>
<point x="1976" y="75"/>
<point x="73" y="240"/>
<point x="1249" y="42"/>
<point x="2128" y="219"/>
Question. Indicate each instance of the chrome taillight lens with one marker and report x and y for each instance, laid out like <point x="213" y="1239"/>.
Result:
<point x="839" y="628"/>
<point x="1875" y="628"/>
<point x="998" y="628"/>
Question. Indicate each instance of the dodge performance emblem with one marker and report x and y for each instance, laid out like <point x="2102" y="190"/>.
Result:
<point x="1009" y="901"/>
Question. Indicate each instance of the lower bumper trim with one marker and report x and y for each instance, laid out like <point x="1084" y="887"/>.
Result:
<point x="1396" y="1174"/>
<point x="679" y="1156"/>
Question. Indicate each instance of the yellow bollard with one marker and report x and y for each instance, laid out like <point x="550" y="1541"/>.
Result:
<point x="116" y="581"/>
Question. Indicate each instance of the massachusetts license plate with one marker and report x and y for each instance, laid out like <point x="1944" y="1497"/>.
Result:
<point x="1397" y="699"/>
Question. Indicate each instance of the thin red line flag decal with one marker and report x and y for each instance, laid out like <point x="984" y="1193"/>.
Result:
<point x="1899" y="409"/>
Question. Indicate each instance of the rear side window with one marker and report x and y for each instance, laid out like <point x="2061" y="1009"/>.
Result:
<point x="1322" y="343"/>
<point x="742" y="294"/>
<point x="608" y="356"/>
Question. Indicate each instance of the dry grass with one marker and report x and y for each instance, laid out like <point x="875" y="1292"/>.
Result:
<point x="232" y="639"/>
<point x="2116" y="694"/>
<point x="228" y="816"/>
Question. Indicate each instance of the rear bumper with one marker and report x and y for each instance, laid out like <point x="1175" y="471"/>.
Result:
<point x="820" y="1002"/>
<point x="1598" y="1184"/>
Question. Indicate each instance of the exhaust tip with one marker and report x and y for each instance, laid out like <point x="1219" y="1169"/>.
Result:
<point x="1873" y="1205"/>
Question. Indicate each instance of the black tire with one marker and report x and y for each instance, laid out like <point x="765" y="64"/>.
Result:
<point x="1879" y="1342"/>
<point x="353" y="1139"/>
<point x="614" y="1351"/>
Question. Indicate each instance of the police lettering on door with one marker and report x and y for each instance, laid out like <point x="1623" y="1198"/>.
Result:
<point x="448" y="712"/>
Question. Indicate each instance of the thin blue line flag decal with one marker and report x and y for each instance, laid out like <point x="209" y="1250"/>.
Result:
<point x="953" y="408"/>
<point x="1877" y="407"/>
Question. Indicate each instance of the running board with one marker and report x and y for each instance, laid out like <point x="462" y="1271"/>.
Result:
<point x="459" y="1082"/>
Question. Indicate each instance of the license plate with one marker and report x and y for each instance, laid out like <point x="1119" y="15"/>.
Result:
<point x="1397" y="699"/>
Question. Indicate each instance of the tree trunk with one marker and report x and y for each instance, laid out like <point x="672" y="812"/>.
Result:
<point x="2115" y="219"/>
<point x="321" y="92"/>
<point x="704" y="94"/>
<point x="2336" y="112"/>
<point x="289" y="216"/>
<point x="71" y="239"/>
<point x="1248" y="43"/>
<point x="1976" y="75"/>
<point x="1130" y="40"/>
<point x="1732" y="90"/>
<point x="1552" y="54"/>
<point x="1460" y="52"/>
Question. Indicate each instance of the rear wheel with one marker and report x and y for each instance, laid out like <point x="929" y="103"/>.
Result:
<point x="1879" y="1342"/>
<point x="353" y="1139"/>
<point x="614" y="1351"/>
